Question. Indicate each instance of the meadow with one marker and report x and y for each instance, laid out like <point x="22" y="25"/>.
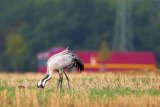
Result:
<point x="119" y="89"/>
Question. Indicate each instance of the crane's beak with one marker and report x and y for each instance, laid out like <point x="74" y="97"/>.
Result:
<point x="41" y="86"/>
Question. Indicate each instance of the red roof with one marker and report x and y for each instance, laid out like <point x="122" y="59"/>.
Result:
<point x="132" y="57"/>
<point x="121" y="57"/>
<point x="49" y="53"/>
<point x="86" y="55"/>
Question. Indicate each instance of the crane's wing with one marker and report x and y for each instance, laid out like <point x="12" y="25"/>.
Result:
<point x="64" y="52"/>
<point x="77" y="63"/>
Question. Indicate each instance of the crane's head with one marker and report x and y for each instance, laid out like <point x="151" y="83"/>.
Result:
<point x="42" y="82"/>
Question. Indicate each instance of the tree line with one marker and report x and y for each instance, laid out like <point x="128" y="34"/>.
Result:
<point x="31" y="26"/>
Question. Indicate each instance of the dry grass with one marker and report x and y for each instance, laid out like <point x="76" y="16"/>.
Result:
<point x="123" y="89"/>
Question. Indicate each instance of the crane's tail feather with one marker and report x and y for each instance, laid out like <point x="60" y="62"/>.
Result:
<point x="79" y="65"/>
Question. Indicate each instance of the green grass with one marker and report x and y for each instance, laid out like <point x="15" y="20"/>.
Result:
<point x="107" y="93"/>
<point x="94" y="93"/>
<point x="95" y="88"/>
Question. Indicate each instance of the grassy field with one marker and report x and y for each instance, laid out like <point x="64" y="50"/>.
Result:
<point x="118" y="89"/>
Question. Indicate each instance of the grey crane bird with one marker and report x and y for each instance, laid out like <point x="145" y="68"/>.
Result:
<point x="65" y="60"/>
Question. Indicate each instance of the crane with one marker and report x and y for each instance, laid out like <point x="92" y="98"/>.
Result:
<point x="60" y="62"/>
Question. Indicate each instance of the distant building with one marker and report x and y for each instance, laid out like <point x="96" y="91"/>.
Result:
<point x="116" y="61"/>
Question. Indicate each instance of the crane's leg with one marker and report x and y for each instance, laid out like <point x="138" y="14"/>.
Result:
<point x="67" y="79"/>
<point x="60" y="79"/>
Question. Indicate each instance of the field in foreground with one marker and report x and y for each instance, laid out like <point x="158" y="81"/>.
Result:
<point x="87" y="90"/>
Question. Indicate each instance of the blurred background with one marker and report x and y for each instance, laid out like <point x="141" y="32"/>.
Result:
<point x="28" y="27"/>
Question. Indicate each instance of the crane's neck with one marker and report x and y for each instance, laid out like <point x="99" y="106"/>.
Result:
<point x="43" y="81"/>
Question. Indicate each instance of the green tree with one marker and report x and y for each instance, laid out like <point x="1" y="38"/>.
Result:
<point x="103" y="54"/>
<point x="15" y="49"/>
<point x="104" y="51"/>
<point x="78" y="23"/>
